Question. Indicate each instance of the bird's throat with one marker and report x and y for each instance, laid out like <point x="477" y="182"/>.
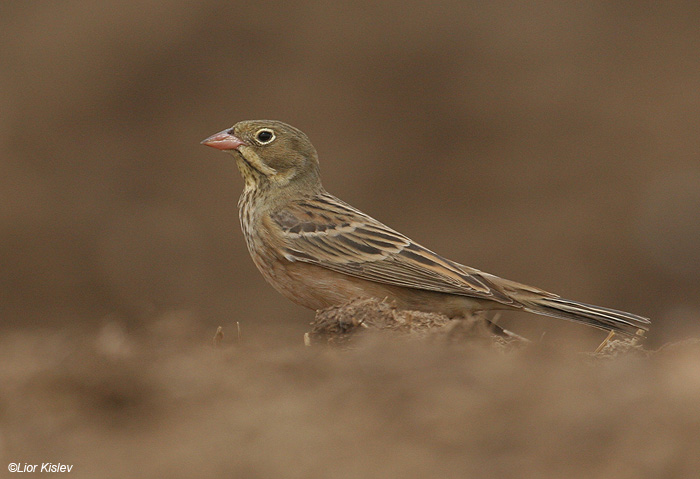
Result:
<point x="251" y="175"/>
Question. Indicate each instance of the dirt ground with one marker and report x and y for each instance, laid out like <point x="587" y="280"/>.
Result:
<point x="168" y="403"/>
<point x="554" y="144"/>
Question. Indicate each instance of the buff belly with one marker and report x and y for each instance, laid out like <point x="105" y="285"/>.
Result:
<point x="316" y="288"/>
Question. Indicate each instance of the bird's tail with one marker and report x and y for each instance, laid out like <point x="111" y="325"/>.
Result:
<point x="596" y="316"/>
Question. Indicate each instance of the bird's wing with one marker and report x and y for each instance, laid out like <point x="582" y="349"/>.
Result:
<point x="328" y="232"/>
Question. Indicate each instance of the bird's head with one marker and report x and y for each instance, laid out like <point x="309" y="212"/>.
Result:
<point x="270" y="153"/>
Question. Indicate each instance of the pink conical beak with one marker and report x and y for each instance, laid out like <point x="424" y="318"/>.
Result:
<point x="223" y="140"/>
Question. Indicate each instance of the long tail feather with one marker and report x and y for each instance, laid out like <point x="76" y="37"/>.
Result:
<point x="596" y="316"/>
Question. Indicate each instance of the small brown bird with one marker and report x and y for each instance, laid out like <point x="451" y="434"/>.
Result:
<point x="319" y="251"/>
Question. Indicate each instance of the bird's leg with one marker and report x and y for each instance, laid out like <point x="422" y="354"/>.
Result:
<point x="504" y="333"/>
<point x="605" y="341"/>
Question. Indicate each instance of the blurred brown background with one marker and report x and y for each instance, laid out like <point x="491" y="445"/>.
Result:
<point x="553" y="144"/>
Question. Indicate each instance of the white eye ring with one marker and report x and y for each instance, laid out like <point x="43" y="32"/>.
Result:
<point x="264" y="136"/>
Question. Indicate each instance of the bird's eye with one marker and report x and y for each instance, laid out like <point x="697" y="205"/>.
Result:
<point x="265" y="136"/>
